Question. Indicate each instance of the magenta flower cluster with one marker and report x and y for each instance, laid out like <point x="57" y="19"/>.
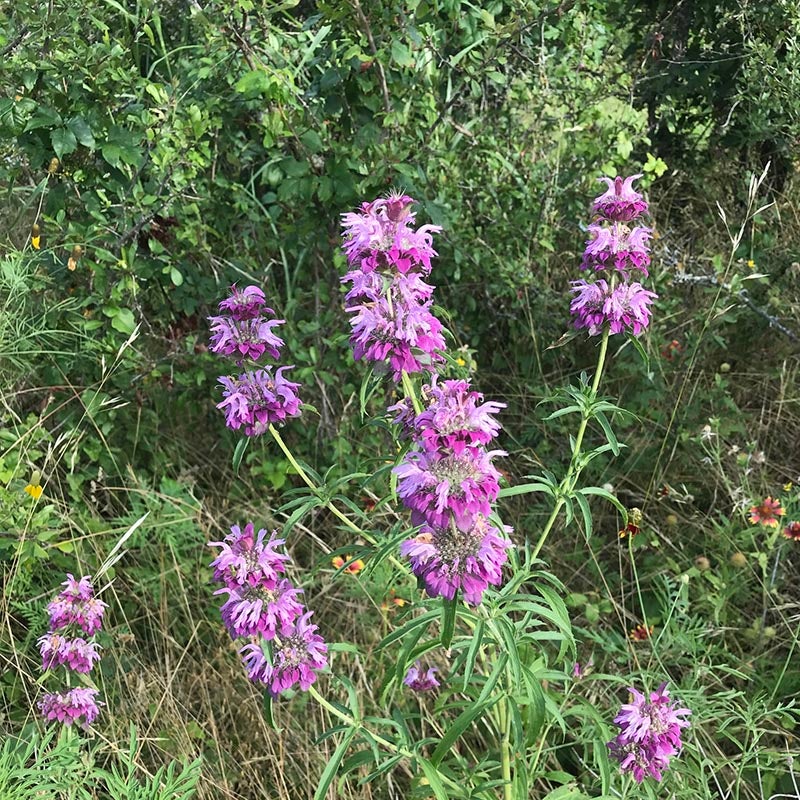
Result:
<point x="255" y="398"/>
<point x="263" y="605"/>
<point x="73" y="612"/>
<point x="392" y="323"/>
<point x="449" y="482"/>
<point x="619" y="304"/>
<point x="649" y="733"/>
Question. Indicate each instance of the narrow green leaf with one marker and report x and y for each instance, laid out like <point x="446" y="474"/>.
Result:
<point x="457" y="727"/>
<point x="586" y="512"/>
<point x="472" y="653"/>
<point x="329" y="773"/>
<point x="238" y="453"/>
<point x="525" y="488"/>
<point x="640" y="350"/>
<point x="606" y="426"/>
<point x="434" y="781"/>
<point x="449" y="611"/>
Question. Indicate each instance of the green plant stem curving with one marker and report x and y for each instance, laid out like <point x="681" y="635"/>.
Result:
<point x="314" y="488"/>
<point x="389" y="745"/>
<point x="568" y="483"/>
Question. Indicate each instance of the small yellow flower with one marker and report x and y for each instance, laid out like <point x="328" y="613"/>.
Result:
<point x="35" y="242"/>
<point x="34" y="488"/>
<point x="460" y="361"/>
<point x="787" y="487"/>
<point x="751" y="264"/>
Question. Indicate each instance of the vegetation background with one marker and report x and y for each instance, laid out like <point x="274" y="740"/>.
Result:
<point x="154" y="152"/>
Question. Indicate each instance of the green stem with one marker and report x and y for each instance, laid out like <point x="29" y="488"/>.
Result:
<point x="568" y="483"/>
<point x="505" y="748"/>
<point x="354" y="723"/>
<point x="311" y="485"/>
<point x="408" y="387"/>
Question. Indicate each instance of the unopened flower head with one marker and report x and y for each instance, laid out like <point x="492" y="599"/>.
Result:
<point x="620" y="202"/>
<point x="617" y="247"/>
<point x="435" y="485"/>
<point x="244" y="304"/>
<point x="421" y="680"/>
<point x="246" y="559"/>
<point x="259" y="611"/>
<point x="767" y="513"/>
<point x="625" y="308"/>
<point x="77" y="705"/>
<point x="448" y="560"/>
<point x="257" y="399"/>
<point x="454" y="417"/>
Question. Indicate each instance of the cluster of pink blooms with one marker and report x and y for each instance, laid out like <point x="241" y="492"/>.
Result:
<point x="262" y="605"/>
<point x="449" y="483"/>
<point x="257" y="397"/>
<point x="73" y="612"/>
<point x="392" y="323"/>
<point x="619" y="304"/>
<point x="649" y="733"/>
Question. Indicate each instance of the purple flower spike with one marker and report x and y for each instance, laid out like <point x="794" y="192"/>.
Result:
<point x="454" y="419"/>
<point x="379" y="234"/>
<point x="435" y="485"/>
<point x="448" y="560"/>
<point x="617" y="247"/>
<point x="624" y="308"/>
<point x="257" y="610"/>
<point x="650" y="733"/>
<point x="76" y="654"/>
<point x="77" y="705"/>
<point x="297" y="656"/>
<point x="76" y="605"/>
<point x="256" y="399"/>
<point x="621" y="202"/>
<point x="249" y="338"/>
<point x="421" y="681"/>
<point x="245" y="303"/>
<point x="390" y="303"/>
<point x="246" y="559"/>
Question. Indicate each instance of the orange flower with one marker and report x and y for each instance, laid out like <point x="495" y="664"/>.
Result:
<point x="389" y="602"/>
<point x="767" y="513"/>
<point x="352" y="568"/>
<point x="641" y="634"/>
